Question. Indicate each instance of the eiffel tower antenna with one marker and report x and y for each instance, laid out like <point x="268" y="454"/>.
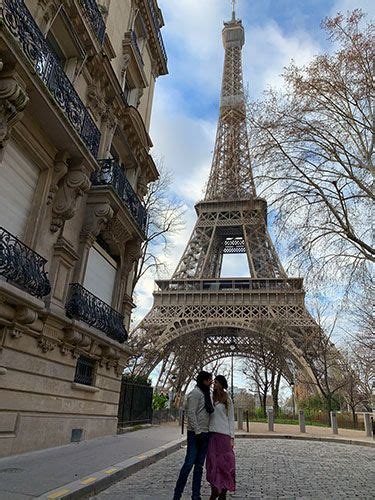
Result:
<point x="234" y="9"/>
<point x="197" y="315"/>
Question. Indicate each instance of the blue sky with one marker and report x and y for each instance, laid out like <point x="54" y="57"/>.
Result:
<point x="186" y="101"/>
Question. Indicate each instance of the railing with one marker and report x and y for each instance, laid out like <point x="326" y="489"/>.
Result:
<point x="112" y="174"/>
<point x="16" y="17"/>
<point x="134" y="41"/>
<point x="157" y="28"/>
<point x="95" y="17"/>
<point x="22" y="266"/>
<point x="85" y="306"/>
<point x="235" y="284"/>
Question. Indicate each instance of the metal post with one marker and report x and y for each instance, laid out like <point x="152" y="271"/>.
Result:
<point x="231" y="379"/>
<point x="182" y="421"/>
<point x="247" y="421"/>
<point x="240" y="418"/>
<point x="302" y="425"/>
<point x="334" y="425"/>
<point x="270" y="419"/>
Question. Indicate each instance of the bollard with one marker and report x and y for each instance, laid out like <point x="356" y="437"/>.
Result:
<point x="302" y="425"/>
<point x="270" y="419"/>
<point x="247" y="422"/>
<point x="334" y="426"/>
<point x="240" y="419"/>
<point x="368" y="426"/>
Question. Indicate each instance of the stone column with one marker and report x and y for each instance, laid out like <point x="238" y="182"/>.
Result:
<point x="334" y="425"/>
<point x="368" y="424"/>
<point x="302" y="426"/>
<point x="270" y="419"/>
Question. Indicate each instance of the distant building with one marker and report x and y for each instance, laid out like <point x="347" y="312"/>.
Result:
<point x="76" y="90"/>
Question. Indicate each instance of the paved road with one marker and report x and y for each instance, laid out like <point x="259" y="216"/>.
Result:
<point x="269" y="469"/>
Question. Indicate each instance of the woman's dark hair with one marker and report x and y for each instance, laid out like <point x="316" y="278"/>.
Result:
<point x="220" y="394"/>
<point x="202" y="376"/>
<point x="222" y="381"/>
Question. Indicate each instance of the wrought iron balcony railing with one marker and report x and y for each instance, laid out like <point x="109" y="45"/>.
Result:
<point x="84" y="306"/>
<point x="22" y="266"/>
<point x="17" y="18"/>
<point x="157" y="28"/>
<point x="112" y="173"/>
<point x="135" y="44"/>
<point x="95" y="17"/>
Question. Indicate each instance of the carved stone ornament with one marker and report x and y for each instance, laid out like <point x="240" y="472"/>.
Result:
<point x="96" y="103"/>
<point x="60" y="169"/>
<point x="73" y="185"/>
<point x="96" y="219"/>
<point x="46" y="345"/>
<point x="116" y="235"/>
<point x="131" y="255"/>
<point x="13" y="100"/>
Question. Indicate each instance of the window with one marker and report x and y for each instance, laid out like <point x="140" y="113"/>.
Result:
<point x="127" y="90"/>
<point x="85" y="371"/>
<point x="101" y="273"/>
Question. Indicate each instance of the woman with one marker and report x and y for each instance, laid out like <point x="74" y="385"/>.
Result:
<point x="220" y="461"/>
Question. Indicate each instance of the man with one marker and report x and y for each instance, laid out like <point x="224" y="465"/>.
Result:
<point x="199" y="407"/>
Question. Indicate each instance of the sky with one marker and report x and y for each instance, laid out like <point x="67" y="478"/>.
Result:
<point x="186" y="103"/>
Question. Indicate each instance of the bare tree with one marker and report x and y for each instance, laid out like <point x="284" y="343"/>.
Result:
<point x="265" y="369"/>
<point x="312" y="148"/>
<point x="331" y="370"/>
<point x="165" y="218"/>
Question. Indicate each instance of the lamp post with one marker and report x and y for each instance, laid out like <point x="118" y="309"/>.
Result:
<point x="293" y="399"/>
<point x="232" y="347"/>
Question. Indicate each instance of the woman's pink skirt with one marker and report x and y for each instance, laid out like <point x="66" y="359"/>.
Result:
<point x="220" y="462"/>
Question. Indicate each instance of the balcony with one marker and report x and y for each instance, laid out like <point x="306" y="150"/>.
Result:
<point x="22" y="267"/>
<point x="84" y="306"/>
<point x="155" y="22"/>
<point x="95" y="18"/>
<point x="112" y="174"/>
<point x="20" y="23"/>
<point x="134" y="42"/>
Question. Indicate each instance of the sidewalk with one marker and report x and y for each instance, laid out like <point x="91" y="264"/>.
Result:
<point x="33" y="474"/>
<point x="260" y="429"/>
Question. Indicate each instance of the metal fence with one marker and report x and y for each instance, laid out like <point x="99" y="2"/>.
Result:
<point x="319" y="418"/>
<point x="135" y="405"/>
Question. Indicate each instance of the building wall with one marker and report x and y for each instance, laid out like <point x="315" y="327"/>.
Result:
<point x="53" y="208"/>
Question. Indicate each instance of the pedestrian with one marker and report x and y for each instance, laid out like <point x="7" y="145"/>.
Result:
<point x="199" y="407"/>
<point x="220" y="463"/>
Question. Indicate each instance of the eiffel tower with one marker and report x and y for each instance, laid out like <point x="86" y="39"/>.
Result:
<point x="198" y="316"/>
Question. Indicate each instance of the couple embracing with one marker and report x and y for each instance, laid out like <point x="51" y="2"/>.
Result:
<point x="210" y="433"/>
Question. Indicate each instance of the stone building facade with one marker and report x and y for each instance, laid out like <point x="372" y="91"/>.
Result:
<point x="77" y="81"/>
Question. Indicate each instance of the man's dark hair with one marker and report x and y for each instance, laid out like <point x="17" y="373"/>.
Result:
<point x="202" y="376"/>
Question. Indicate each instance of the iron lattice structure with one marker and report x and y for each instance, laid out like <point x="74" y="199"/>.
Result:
<point x="197" y="305"/>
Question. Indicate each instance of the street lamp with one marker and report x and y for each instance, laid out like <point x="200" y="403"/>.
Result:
<point x="293" y="398"/>
<point x="232" y="347"/>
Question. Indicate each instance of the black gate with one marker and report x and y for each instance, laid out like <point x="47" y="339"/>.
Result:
<point x="135" y="405"/>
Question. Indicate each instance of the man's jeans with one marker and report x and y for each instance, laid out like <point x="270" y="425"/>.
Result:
<point x="195" y="456"/>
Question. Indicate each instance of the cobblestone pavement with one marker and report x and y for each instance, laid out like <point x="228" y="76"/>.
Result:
<point x="269" y="469"/>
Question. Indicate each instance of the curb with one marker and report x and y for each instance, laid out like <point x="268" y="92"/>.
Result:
<point x="369" y="444"/>
<point x="103" y="479"/>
